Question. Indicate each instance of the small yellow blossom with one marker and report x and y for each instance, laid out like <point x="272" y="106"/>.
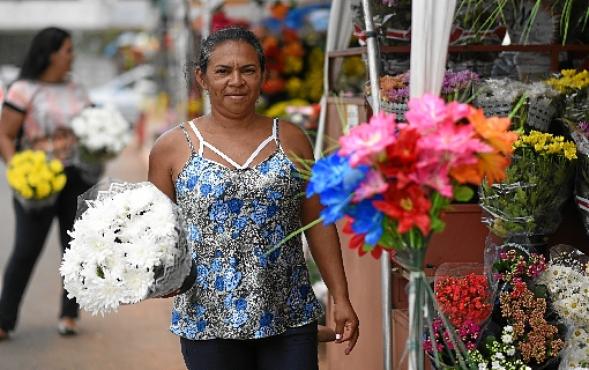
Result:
<point x="32" y="175"/>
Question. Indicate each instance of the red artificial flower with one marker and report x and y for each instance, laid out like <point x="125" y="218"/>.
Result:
<point x="357" y="240"/>
<point x="401" y="157"/>
<point x="408" y="206"/>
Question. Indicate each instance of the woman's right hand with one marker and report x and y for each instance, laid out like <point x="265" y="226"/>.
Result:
<point x="347" y="326"/>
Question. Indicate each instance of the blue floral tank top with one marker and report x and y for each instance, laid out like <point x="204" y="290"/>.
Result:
<point x="234" y="217"/>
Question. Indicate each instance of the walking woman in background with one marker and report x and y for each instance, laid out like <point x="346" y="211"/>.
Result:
<point x="37" y="112"/>
<point x="234" y="173"/>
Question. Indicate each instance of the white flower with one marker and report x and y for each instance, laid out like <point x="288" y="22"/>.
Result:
<point x="102" y="130"/>
<point x="510" y="351"/>
<point x="118" y="243"/>
<point x="482" y="366"/>
<point x="507" y="338"/>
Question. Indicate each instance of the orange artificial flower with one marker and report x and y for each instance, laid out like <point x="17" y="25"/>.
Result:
<point x="494" y="130"/>
<point x="490" y="166"/>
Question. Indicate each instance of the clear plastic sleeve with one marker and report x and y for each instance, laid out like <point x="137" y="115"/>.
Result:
<point x="530" y="200"/>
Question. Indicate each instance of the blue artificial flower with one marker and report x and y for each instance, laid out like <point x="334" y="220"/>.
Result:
<point x="367" y="221"/>
<point x="334" y="180"/>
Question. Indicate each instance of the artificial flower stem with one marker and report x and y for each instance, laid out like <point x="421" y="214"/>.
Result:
<point x="416" y="300"/>
<point x="293" y="234"/>
<point x="461" y="351"/>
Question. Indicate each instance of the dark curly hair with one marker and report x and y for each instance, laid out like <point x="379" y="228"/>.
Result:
<point x="229" y="34"/>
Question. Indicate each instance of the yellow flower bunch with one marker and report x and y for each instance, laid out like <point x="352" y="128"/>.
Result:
<point x="544" y="143"/>
<point x="34" y="176"/>
<point x="294" y="87"/>
<point x="293" y="65"/>
<point x="570" y="79"/>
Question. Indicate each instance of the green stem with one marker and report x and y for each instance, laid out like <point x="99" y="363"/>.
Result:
<point x="293" y="234"/>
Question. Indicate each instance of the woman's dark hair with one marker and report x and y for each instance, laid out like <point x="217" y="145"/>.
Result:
<point x="229" y="34"/>
<point x="46" y="42"/>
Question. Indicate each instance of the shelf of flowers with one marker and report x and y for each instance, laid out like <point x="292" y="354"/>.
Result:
<point x="526" y="216"/>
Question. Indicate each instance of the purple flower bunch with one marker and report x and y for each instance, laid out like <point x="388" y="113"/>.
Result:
<point x="468" y="333"/>
<point x="396" y="88"/>
<point x="458" y="81"/>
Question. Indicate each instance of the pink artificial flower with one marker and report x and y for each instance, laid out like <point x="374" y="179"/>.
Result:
<point x="434" y="174"/>
<point x="457" y="111"/>
<point x="429" y="112"/>
<point x="454" y="144"/>
<point x="426" y="113"/>
<point x="363" y="142"/>
<point x="372" y="184"/>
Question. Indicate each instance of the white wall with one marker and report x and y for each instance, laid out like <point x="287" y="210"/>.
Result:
<point x="76" y="14"/>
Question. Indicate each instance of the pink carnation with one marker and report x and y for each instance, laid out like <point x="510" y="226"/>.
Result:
<point x="365" y="141"/>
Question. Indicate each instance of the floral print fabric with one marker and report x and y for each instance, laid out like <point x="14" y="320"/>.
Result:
<point x="234" y="217"/>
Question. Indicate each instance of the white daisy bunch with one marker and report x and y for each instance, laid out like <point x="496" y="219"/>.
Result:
<point x="567" y="282"/>
<point x="128" y="245"/>
<point x="576" y="354"/>
<point x="102" y="133"/>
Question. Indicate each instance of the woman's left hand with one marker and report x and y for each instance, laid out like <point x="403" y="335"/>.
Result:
<point x="346" y="324"/>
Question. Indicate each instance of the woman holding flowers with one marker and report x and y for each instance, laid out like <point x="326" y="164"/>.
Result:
<point x="234" y="174"/>
<point x="36" y="116"/>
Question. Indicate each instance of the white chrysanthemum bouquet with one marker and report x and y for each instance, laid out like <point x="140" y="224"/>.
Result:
<point x="102" y="133"/>
<point x="128" y="245"/>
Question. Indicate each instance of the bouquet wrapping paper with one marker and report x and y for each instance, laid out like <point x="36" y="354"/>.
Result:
<point x="127" y="245"/>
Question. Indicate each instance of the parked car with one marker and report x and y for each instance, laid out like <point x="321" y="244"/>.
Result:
<point x="127" y="92"/>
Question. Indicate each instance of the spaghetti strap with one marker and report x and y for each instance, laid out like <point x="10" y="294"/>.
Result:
<point x="276" y="132"/>
<point x="188" y="140"/>
<point x="201" y="141"/>
<point x="250" y="159"/>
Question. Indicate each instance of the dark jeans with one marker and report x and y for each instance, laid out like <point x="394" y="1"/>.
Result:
<point x="31" y="231"/>
<point x="296" y="349"/>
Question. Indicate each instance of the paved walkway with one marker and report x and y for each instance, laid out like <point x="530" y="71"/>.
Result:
<point x="134" y="338"/>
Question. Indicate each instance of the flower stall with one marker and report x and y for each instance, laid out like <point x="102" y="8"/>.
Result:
<point x="517" y="218"/>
